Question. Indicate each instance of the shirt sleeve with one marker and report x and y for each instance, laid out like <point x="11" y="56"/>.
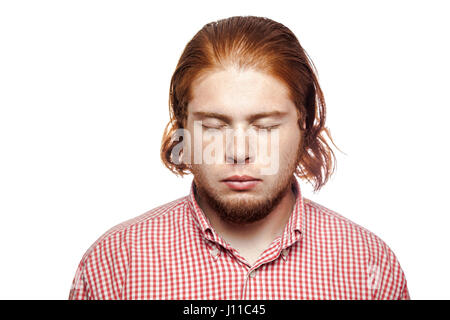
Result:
<point x="405" y="294"/>
<point x="80" y="289"/>
<point x="387" y="279"/>
<point x="102" y="270"/>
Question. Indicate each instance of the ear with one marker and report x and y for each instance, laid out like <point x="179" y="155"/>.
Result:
<point x="185" y="153"/>
<point x="301" y="121"/>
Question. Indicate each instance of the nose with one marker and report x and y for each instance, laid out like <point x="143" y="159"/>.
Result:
<point x="239" y="149"/>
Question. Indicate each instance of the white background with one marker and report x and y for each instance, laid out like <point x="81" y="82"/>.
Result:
<point x="84" y="101"/>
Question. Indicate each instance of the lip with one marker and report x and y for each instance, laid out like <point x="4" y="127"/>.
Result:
<point x="240" y="178"/>
<point x="241" y="182"/>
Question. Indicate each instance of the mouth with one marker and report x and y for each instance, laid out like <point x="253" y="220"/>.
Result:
<point x="241" y="182"/>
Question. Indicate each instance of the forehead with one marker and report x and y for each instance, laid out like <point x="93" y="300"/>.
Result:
<point x="239" y="93"/>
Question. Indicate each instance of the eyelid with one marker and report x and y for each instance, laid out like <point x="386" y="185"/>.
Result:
<point x="220" y="126"/>
<point x="267" y="126"/>
<point x="212" y="123"/>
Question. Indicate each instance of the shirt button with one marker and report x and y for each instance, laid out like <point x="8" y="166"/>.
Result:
<point x="214" y="252"/>
<point x="252" y="274"/>
<point x="284" y="254"/>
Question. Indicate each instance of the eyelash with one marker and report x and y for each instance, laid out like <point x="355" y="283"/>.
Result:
<point x="218" y="127"/>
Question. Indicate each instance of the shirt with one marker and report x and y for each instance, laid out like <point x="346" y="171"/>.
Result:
<point x="173" y="252"/>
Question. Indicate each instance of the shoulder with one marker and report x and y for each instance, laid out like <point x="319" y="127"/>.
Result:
<point x="113" y="245"/>
<point x="132" y="228"/>
<point x="335" y="223"/>
<point x="357" y="243"/>
<point x="322" y="221"/>
<point x="104" y="265"/>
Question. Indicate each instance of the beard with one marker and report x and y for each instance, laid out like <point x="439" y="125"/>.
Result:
<point x="245" y="210"/>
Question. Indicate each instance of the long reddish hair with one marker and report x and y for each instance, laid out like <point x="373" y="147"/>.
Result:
<point x="265" y="45"/>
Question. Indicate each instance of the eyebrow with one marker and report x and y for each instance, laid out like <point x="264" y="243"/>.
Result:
<point x="251" y="118"/>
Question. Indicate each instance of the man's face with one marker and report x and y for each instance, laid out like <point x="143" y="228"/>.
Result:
<point x="237" y="96"/>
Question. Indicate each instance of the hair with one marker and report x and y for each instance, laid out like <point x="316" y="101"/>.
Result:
<point x="258" y="43"/>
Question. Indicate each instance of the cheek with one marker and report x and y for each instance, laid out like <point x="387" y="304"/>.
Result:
<point x="286" y="141"/>
<point x="289" y="144"/>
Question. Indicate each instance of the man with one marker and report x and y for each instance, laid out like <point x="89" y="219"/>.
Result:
<point x="243" y="85"/>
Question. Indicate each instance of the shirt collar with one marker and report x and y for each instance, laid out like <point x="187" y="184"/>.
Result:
<point x="292" y="232"/>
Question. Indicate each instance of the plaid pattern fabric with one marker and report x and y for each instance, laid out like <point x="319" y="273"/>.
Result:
<point x="172" y="252"/>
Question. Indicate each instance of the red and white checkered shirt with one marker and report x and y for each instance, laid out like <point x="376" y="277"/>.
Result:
<point x="173" y="252"/>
